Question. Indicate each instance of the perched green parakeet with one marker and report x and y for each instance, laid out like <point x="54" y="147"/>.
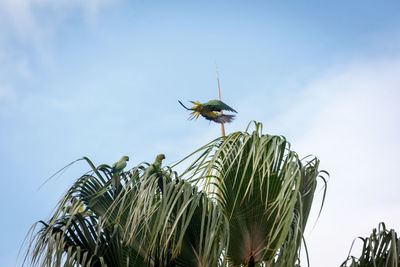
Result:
<point x="211" y="111"/>
<point x="116" y="169"/>
<point x="78" y="207"/>
<point x="155" y="168"/>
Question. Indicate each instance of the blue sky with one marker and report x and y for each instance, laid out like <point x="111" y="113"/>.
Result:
<point x="101" y="79"/>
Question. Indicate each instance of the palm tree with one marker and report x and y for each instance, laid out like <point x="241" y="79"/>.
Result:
<point x="243" y="200"/>
<point x="381" y="248"/>
<point x="264" y="190"/>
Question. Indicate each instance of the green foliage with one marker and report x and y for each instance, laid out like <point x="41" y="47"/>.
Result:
<point x="381" y="248"/>
<point x="265" y="191"/>
<point x="253" y="206"/>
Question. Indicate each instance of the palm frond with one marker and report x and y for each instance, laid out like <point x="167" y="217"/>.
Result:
<point x="381" y="248"/>
<point x="242" y="200"/>
<point x="264" y="190"/>
<point x="83" y="229"/>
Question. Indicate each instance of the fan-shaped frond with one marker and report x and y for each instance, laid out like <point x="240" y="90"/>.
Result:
<point x="242" y="199"/>
<point x="381" y="248"/>
<point x="264" y="189"/>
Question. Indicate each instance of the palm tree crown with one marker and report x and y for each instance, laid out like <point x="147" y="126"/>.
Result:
<point x="242" y="200"/>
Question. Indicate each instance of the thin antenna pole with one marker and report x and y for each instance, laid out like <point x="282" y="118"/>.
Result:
<point x="219" y="94"/>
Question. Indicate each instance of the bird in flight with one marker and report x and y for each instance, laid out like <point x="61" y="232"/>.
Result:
<point x="211" y="111"/>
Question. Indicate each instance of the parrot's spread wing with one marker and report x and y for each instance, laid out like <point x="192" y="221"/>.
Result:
<point x="221" y="118"/>
<point x="216" y="105"/>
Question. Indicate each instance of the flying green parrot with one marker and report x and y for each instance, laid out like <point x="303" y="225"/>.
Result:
<point x="211" y="111"/>
<point x="117" y="168"/>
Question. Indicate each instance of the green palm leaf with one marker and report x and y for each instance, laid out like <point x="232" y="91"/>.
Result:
<point x="242" y="200"/>
<point x="264" y="190"/>
<point x="83" y="229"/>
<point x="381" y="248"/>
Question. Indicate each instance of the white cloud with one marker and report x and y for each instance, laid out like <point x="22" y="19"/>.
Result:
<point x="350" y="119"/>
<point x="12" y="68"/>
<point x="19" y="15"/>
<point x="31" y="22"/>
<point x="22" y="12"/>
<point x="27" y="27"/>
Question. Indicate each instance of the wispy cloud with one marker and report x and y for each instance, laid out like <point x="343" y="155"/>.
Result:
<point x="31" y="21"/>
<point x="23" y="15"/>
<point x="350" y="119"/>
<point x="27" y="28"/>
<point x="19" y="17"/>
<point x="12" y="68"/>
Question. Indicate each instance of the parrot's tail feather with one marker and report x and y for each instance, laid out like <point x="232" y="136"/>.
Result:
<point x="183" y="105"/>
